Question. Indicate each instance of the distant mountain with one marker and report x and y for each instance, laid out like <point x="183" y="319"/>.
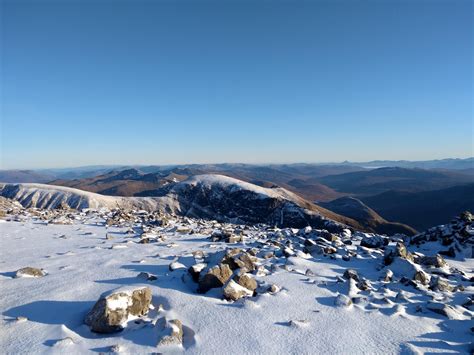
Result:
<point x="370" y="182"/>
<point x="135" y="182"/>
<point x="367" y="217"/>
<point x="15" y="176"/>
<point x="423" y="209"/>
<point x="449" y="164"/>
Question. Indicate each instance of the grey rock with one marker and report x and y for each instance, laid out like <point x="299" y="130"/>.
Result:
<point x="112" y="310"/>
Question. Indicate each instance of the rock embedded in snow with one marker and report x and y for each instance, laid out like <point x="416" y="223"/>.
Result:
<point x="214" y="277"/>
<point x="439" y="284"/>
<point x="195" y="270"/>
<point x="246" y="280"/>
<point x="172" y="333"/>
<point x="435" y="261"/>
<point x="399" y="250"/>
<point x="233" y="291"/>
<point x="443" y="309"/>
<point x="342" y="300"/>
<point x="375" y="241"/>
<point x="176" y="266"/>
<point x="351" y="274"/>
<point x="147" y="276"/>
<point x="30" y="272"/>
<point x="112" y="310"/>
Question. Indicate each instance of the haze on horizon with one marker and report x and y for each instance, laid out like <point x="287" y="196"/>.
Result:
<point x="146" y="83"/>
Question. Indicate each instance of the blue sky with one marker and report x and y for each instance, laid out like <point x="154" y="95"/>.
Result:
<point x="158" y="82"/>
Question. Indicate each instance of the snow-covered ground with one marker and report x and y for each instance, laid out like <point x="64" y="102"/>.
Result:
<point x="305" y="316"/>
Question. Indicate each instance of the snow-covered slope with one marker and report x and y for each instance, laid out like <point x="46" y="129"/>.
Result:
<point x="203" y="196"/>
<point x="316" y="293"/>
<point x="50" y="197"/>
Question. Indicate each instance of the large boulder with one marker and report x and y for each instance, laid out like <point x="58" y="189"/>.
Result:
<point x="111" y="311"/>
<point x="214" y="277"/>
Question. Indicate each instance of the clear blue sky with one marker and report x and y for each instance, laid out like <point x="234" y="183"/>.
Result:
<point x="156" y="82"/>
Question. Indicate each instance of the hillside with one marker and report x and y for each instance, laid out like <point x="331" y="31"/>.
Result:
<point x="367" y="217"/>
<point x="423" y="209"/>
<point x="380" y="180"/>
<point x="204" y="196"/>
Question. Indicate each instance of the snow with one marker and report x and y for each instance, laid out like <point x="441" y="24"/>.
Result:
<point x="85" y="265"/>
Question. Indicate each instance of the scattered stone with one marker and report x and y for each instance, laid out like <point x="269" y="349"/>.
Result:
<point x="176" y="266"/>
<point x="374" y="241"/>
<point x="30" y="272"/>
<point x="351" y="274"/>
<point x="399" y="250"/>
<point x="439" y="284"/>
<point x="342" y="301"/>
<point x="147" y="276"/>
<point x="274" y="288"/>
<point x="111" y="311"/>
<point x="172" y="333"/>
<point x="435" y="261"/>
<point x="246" y="280"/>
<point x="195" y="270"/>
<point x="443" y="309"/>
<point x="233" y="291"/>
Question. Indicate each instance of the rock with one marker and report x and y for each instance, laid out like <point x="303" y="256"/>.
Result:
<point x="214" y="277"/>
<point x="435" y="261"/>
<point x="30" y="272"/>
<point x="147" y="276"/>
<point x="298" y="323"/>
<point x="443" y="309"/>
<point x="399" y="250"/>
<point x="233" y="291"/>
<point x="176" y="266"/>
<point x="438" y="284"/>
<point x="172" y="333"/>
<point x="195" y="270"/>
<point x="287" y="252"/>
<point x="240" y="261"/>
<point x="375" y="241"/>
<point x="351" y="274"/>
<point x="387" y="276"/>
<point x="342" y="301"/>
<point x="21" y="319"/>
<point x="111" y="311"/>
<point x="246" y="280"/>
<point x="274" y="288"/>
<point x="405" y="268"/>
<point x="451" y="253"/>
<point x="422" y="277"/>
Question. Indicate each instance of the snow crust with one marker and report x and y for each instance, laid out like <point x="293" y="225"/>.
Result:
<point x="55" y="305"/>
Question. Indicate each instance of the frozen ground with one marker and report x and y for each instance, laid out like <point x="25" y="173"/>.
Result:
<point x="302" y="317"/>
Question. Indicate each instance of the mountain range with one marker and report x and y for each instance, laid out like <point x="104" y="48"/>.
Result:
<point x="387" y="199"/>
